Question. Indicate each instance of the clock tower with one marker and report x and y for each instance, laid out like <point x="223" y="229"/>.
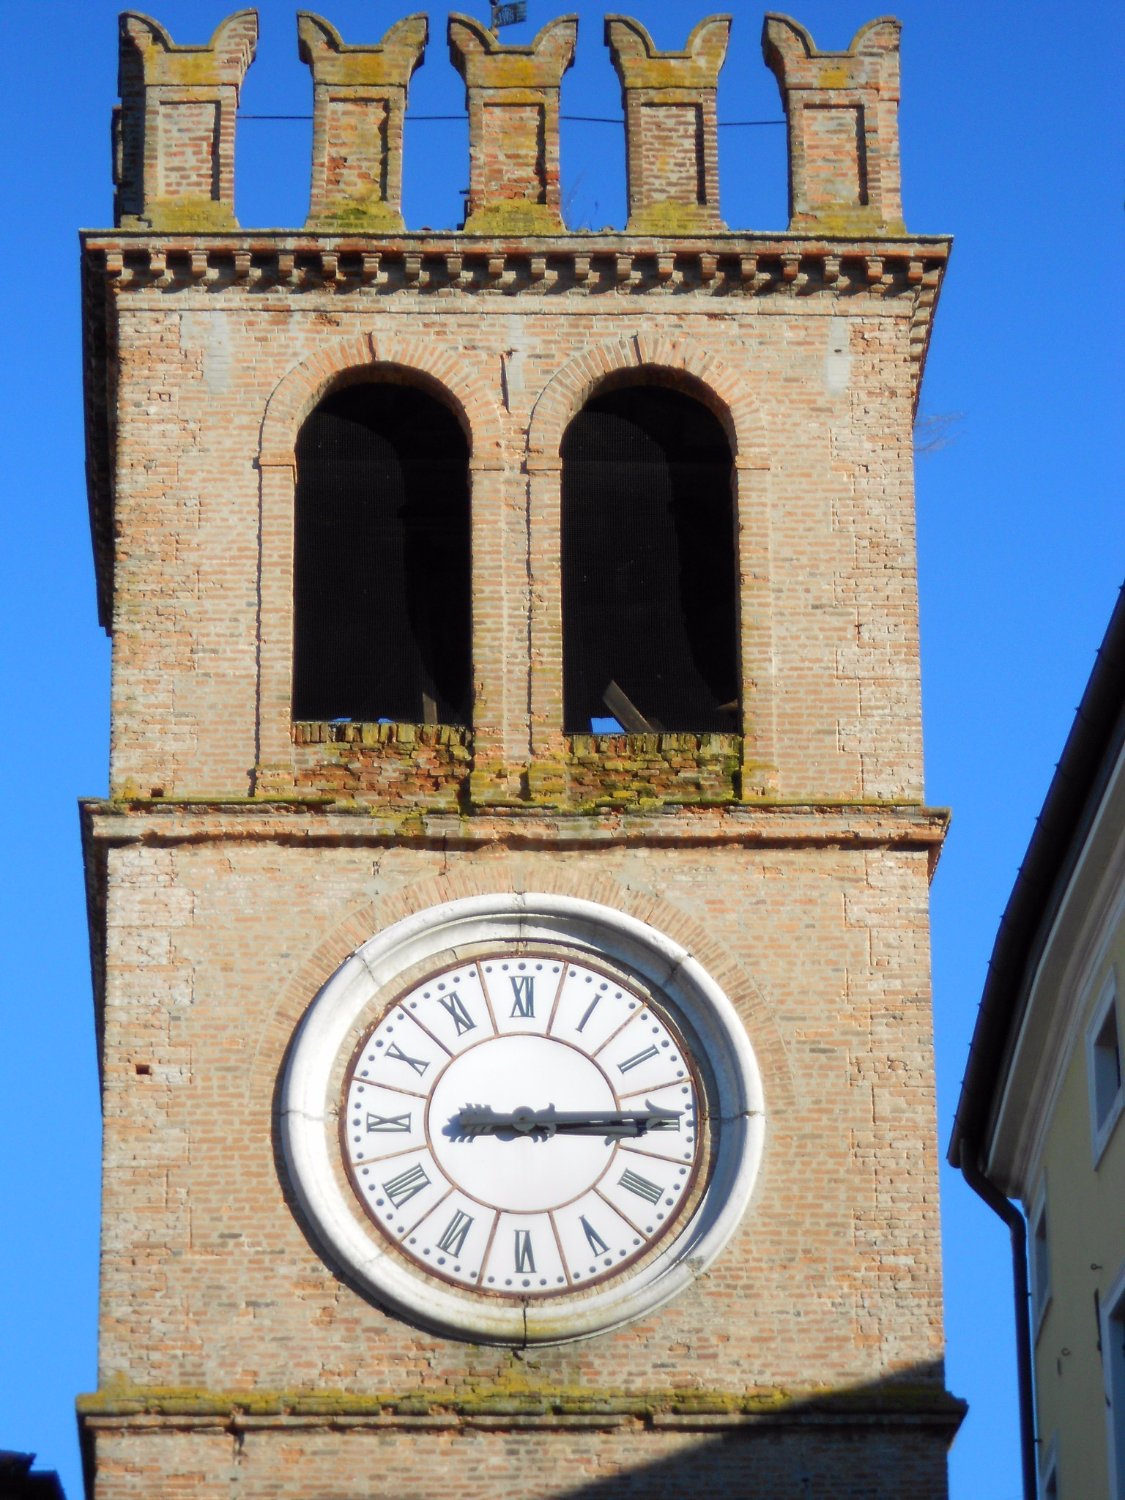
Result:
<point x="509" y="912"/>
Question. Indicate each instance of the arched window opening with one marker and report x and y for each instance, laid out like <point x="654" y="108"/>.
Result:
<point x="382" y="565"/>
<point x="650" y="637"/>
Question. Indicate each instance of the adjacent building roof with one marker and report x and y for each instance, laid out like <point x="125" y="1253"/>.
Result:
<point x="1088" y="758"/>
<point x="18" y="1481"/>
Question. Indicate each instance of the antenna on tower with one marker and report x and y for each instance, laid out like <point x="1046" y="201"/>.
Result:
<point x="509" y="14"/>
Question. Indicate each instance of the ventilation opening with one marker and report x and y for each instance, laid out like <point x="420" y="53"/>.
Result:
<point x="648" y="567"/>
<point x="382" y="565"/>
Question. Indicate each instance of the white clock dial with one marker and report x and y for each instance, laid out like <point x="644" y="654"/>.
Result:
<point x="523" y="1124"/>
<point x="521" y="1118"/>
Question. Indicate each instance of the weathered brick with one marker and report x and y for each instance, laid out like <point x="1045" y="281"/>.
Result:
<point x="242" y="857"/>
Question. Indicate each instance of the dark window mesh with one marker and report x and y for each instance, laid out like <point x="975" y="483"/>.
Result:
<point x="648" y="563"/>
<point x="382" y="564"/>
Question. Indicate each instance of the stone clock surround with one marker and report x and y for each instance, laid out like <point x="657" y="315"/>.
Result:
<point x="584" y="928"/>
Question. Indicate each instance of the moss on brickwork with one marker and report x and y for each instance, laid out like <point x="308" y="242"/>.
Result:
<point x="120" y="1398"/>
<point x="671" y="218"/>
<point x="652" y="770"/>
<point x="514" y="216"/>
<point x="833" y="77"/>
<point x="845" y="222"/>
<point x="385" y="764"/>
<point x="182" y="216"/>
<point x="357" y="216"/>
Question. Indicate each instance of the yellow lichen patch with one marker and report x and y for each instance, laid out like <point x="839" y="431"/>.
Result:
<point x="514" y="216"/>
<point x="846" y="222"/>
<point x="509" y="1397"/>
<point x="183" y="216"/>
<point x="357" y="216"/>
<point x="672" y="218"/>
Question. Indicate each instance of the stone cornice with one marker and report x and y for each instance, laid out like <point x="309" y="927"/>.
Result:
<point x="720" y="264"/>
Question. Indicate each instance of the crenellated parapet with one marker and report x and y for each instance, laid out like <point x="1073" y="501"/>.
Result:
<point x="671" y="125"/>
<point x="842" y="109"/>
<point x="174" y="128"/>
<point x="359" y="106"/>
<point x="513" y="99"/>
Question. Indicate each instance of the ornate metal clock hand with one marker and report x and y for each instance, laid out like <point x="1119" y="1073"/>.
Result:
<point x="480" y="1120"/>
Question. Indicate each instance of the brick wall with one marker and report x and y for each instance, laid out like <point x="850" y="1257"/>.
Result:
<point x="816" y="390"/>
<point x="220" y="934"/>
<point x="241" y="857"/>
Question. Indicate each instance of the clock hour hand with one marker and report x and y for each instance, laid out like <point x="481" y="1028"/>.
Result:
<point x="480" y="1120"/>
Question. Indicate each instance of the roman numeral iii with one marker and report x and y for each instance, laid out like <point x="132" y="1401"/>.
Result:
<point x="651" y="1192"/>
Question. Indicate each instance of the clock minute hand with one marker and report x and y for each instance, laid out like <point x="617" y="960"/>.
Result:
<point x="621" y="1122"/>
<point x="480" y="1120"/>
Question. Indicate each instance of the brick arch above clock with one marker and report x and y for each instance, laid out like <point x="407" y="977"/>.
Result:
<point x="401" y="896"/>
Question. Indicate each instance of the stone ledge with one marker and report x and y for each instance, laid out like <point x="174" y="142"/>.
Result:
<point x="138" y="1408"/>
<point x="309" y="821"/>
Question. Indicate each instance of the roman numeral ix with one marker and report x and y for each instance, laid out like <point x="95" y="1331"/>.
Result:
<point x="388" y="1122"/>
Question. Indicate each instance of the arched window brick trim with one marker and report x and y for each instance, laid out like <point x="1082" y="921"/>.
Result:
<point x="724" y="390"/>
<point x="727" y="392"/>
<point x="441" y="374"/>
<point x="450" y="379"/>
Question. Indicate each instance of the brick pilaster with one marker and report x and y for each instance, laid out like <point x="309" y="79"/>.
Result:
<point x="174" y="128"/>
<point x="671" y="128"/>
<point x="359" y="103"/>
<point x="513" y="100"/>
<point x="842" y="108"/>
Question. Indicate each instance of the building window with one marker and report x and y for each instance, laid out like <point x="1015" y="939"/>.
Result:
<point x="1113" y="1360"/>
<point x="1040" y="1262"/>
<point x="382" y="607"/>
<point x="650" y="625"/>
<point x="1103" y="1067"/>
<point x="1049" y="1472"/>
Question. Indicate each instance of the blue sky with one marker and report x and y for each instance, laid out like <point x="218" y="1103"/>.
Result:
<point x="1012" y="136"/>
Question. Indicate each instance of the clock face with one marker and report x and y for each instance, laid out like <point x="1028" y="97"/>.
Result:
<point x="524" y="1124"/>
<point x="521" y="1118"/>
